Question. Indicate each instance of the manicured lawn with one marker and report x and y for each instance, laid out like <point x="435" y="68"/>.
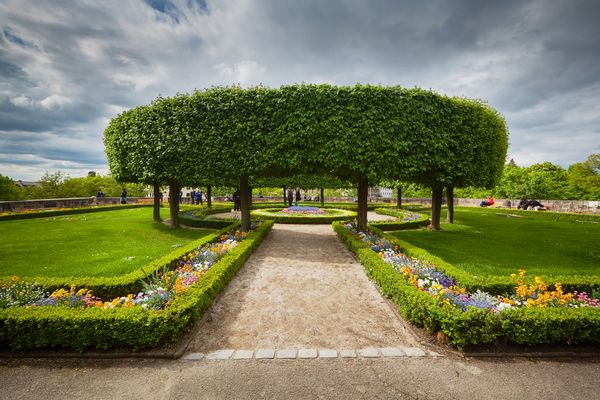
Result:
<point x="488" y="244"/>
<point x="97" y="244"/>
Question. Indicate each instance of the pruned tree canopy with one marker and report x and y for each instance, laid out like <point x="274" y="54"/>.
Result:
<point x="377" y="133"/>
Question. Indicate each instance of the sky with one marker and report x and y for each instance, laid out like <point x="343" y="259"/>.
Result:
<point x="68" y="67"/>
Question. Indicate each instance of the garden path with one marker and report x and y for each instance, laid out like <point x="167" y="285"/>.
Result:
<point x="301" y="289"/>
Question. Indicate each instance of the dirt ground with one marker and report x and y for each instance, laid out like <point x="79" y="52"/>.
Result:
<point x="301" y="289"/>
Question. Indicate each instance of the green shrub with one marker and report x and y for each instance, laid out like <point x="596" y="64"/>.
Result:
<point x="29" y="328"/>
<point x="529" y="326"/>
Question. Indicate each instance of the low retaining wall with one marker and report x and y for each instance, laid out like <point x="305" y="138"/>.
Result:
<point x="576" y="206"/>
<point x="73" y="202"/>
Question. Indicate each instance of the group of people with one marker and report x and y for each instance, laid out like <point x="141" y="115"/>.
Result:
<point x="523" y="204"/>
<point x="531" y="205"/>
<point x="489" y="201"/>
<point x="291" y="196"/>
<point x="196" y="197"/>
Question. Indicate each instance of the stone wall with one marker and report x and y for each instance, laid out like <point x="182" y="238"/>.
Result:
<point x="577" y="206"/>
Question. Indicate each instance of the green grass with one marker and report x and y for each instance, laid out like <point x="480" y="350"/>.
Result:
<point x="96" y="244"/>
<point x="484" y="243"/>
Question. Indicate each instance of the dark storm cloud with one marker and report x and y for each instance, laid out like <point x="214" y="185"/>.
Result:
<point x="67" y="67"/>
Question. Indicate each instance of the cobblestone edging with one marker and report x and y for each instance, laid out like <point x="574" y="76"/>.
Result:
<point x="307" y="354"/>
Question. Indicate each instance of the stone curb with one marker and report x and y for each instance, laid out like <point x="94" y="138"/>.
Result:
<point x="308" y="354"/>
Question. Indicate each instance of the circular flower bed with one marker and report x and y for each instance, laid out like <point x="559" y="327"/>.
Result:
<point x="303" y="215"/>
<point x="303" y="210"/>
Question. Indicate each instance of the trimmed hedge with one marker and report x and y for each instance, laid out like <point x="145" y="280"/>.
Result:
<point x="303" y="219"/>
<point x="195" y="218"/>
<point x="111" y="287"/>
<point x="29" y="328"/>
<point x="398" y="225"/>
<point x="529" y="326"/>
<point x="82" y="210"/>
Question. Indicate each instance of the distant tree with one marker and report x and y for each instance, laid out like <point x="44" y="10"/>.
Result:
<point x="91" y="174"/>
<point x="49" y="187"/>
<point x="9" y="190"/>
<point x="546" y="181"/>
<point x="584" y="178"/>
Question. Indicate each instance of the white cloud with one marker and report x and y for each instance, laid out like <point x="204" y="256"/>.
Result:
<point x="245" y="72"/>
<point x="55" y="102"/>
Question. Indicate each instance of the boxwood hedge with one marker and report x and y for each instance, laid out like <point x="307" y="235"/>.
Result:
<point x="56" y="213"/>
<point x="29" y="328"/>
<point x="528" y="326"/>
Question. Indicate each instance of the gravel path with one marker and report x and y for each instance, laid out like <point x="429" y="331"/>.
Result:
<point x="301" y="289"/>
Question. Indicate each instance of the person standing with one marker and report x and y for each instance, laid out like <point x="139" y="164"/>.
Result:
<point x="236" y="201"/>
<point x="123" y="196"/>
<point x="193" y="196"/>
<point x="298" y="196"/>
<point x="199" y="197"/>
<point x="290" y="196"/>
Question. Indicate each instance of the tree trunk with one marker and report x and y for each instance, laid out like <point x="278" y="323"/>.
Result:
<point x="450" y="201"/>
<point x="322" y="197"/>
<point x="174" y="204"/>
<point x="399" y="198"/>
<point x="436" y="205"/>
<point x="209" y="196"/>
<point x="245" y="203"/>
<point x="284" y="197"/>
<point x="363" y="192"/>
<point x="156" y="211"/>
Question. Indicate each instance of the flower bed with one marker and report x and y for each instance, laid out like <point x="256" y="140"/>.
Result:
<point x="426" y="277"/>
<point x="159" y="289"/>
<point x="530" y="315"/>
<point x="77" y="320"/>
<point x="118" y="286"/>
<point x="303" y="210"/>
<point x="492" y="284"/>
<point x="303" y="215"/>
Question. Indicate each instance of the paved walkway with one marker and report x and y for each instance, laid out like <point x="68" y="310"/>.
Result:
<point x="445" y="378"/>
<point x="302" y="290"/>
